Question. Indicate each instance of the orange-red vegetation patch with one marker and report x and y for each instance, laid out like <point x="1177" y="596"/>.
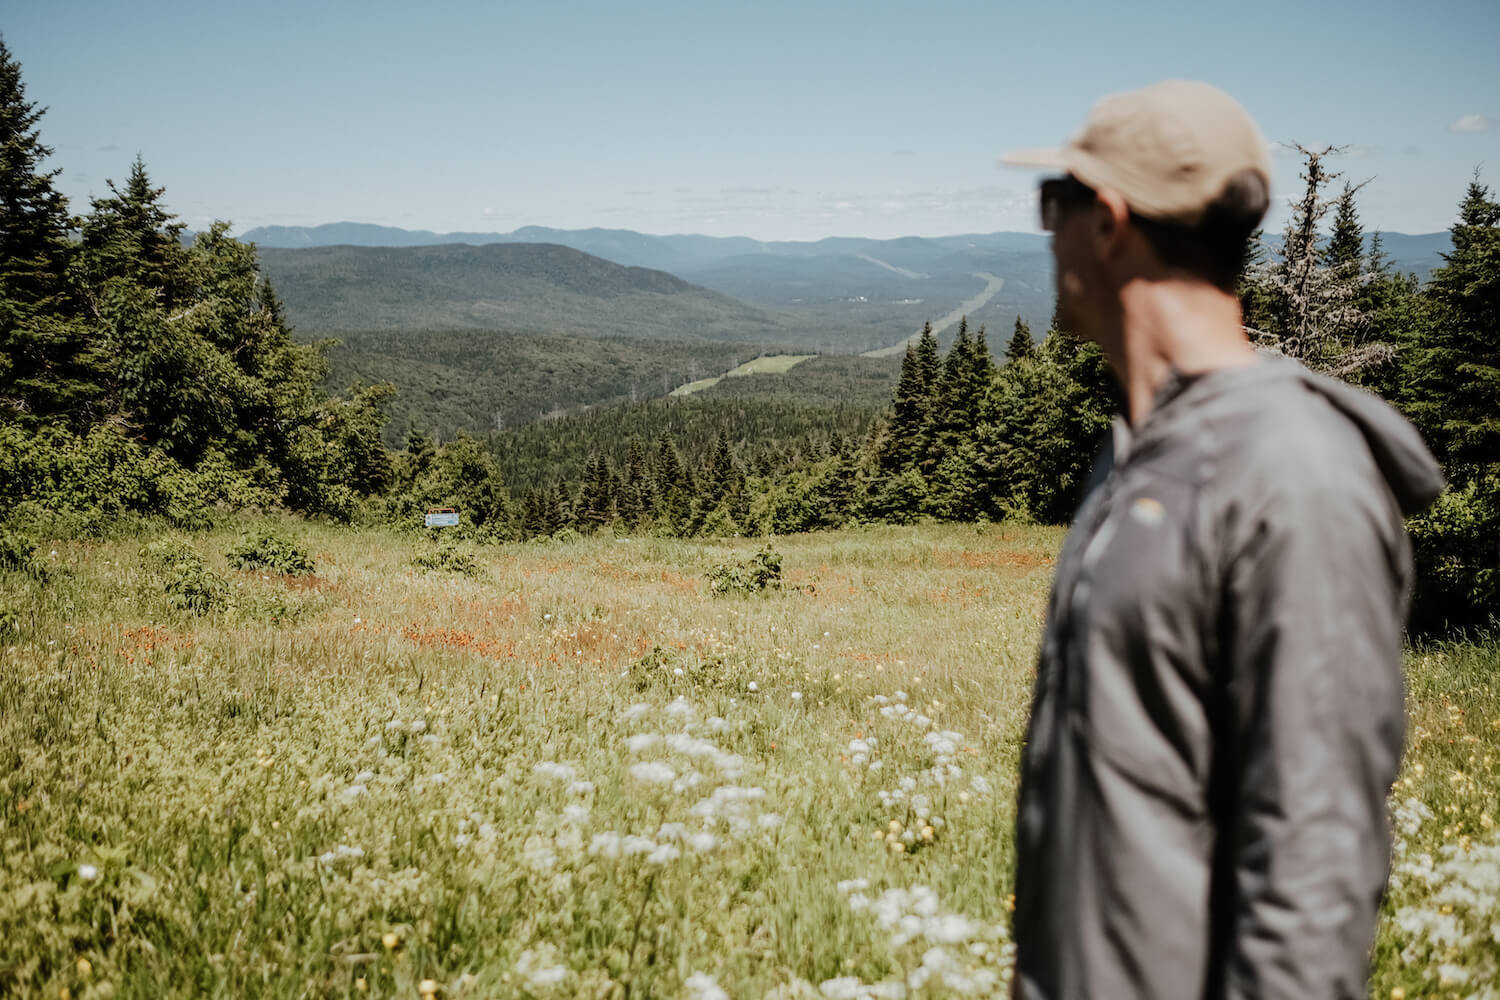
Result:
<point x="145" y="642"/>
<point x="686" y="584"/>
<point x="452" y="638"/>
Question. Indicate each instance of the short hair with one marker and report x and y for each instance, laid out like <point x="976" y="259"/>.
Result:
<point x="1216" y="246"/>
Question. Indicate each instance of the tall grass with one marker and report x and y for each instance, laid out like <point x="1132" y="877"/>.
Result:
<point x="569" y="771"/>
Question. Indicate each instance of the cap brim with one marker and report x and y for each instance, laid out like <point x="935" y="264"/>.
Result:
<point x="1047" y="159"/>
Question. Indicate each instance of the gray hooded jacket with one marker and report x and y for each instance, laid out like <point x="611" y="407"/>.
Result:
<point x="1218" y="713"/>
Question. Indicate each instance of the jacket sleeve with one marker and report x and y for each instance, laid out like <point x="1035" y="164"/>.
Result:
<point x="1313" y="615"/>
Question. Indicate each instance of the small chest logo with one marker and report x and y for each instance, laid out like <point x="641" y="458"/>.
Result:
<point x="1148" y="512"/>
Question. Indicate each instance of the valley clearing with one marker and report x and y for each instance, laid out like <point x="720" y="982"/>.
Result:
<point x="565" y="769"/>
<point x="992" y="286"/>
<point x="770" y="364"/>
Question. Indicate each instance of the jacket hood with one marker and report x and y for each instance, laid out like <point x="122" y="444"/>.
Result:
<point x="1413" y="475"/>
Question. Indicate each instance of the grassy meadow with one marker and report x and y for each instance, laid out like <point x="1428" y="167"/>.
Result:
<point x="564" y="769"/>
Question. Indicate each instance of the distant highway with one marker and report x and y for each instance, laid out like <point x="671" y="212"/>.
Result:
<point x="992" y="286"/>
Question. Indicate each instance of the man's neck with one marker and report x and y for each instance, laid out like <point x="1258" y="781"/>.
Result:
<point x="1173" y="326"/>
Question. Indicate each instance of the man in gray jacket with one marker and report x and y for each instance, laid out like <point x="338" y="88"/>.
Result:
<point x="1218" y="713"/>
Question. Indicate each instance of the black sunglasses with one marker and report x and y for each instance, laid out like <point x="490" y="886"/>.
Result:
<point x="1059" y="193"/>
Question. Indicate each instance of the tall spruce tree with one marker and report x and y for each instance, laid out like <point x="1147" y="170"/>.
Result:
<point x="951" y="410"/>
<point x="1453" y="367"/>
<point x="904" y="439"/>
<point x="1346" y="244"/>
<point x="46" y="367"/>
<point x="929" y="364"/>
<point x="1021" y="344"/>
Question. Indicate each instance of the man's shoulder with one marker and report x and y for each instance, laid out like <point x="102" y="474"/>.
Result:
<point x="1282" y="424"/>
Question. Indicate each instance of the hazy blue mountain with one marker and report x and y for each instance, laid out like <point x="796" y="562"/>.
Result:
<point x="675" y="253"/>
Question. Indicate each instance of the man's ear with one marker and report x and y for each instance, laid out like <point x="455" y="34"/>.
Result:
<point x="1110" y="222"/>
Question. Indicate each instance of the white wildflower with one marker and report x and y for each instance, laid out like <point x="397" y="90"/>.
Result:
<point x="607" y="844"/>
<point x="700" y="986"/>
<point x="663" y="854"/>
<point x="641" y="742"/>
<point x="88" y="872"/>
<point x="653" y="772"/>
<point x="636" y="844"/>
<point x="538" y="854"/>
<point x="636" y="712"/>
<point x="552" y="769"/>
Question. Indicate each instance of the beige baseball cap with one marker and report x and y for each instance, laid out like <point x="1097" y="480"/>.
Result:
<point x="1168" y="149"/>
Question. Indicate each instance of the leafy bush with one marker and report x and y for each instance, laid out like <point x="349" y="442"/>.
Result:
<point x="189" y="585"/>
<point x="448" y="558"/>
<point x="1456" y="548"/>
<point x="756" y="575"/>
<point x="18" y="555"/>
<point x="270" y="551"/>
<point x="667" y="670"/>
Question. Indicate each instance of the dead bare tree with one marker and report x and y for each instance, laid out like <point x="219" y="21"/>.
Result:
<point x="1315" y="314"/>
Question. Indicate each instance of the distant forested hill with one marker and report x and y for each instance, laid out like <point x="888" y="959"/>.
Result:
<point x="482" y="380"/>
<point x="772" y="429"/>
<point x="528" y="288"/>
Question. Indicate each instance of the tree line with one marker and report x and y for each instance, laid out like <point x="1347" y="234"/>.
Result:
<point x="140" y="374"/>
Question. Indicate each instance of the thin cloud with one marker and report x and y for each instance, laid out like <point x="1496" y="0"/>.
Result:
<point x="111" y="148"/>
<point x="1472" y="123"/>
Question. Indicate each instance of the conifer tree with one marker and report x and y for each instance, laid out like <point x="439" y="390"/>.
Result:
<point x="1346" y="246"/>
<point x="982" y="367"/>
<point x="45" y="367"/>
<point x="950" y="412"/>
<point x="1453" y="368"/>
<point x="131" y="235"/>
<point x="903" y="441"/>
<point x="929" y="366"/>
<point x="722" y="478"/>
<point x="1021" y="345"/>
<point x="634" y="503"/>
<point x="561" y="513"/>
<point x="674" y="487"/>
<point x="34" y="222"/>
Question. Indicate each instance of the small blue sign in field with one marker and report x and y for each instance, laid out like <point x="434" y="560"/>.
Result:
<point x="444" y="518"/>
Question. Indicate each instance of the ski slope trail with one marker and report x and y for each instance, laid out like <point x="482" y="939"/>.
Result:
<point x="992" y="286"/>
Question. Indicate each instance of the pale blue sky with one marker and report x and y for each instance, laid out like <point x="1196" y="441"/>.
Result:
<point x="776" y="120"/>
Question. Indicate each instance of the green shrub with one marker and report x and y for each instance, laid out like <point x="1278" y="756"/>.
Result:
<point x="188" y="584"/>
<point x="756" y="575"/>
<point x="668" y="670"/>
<point x="448" y="558"/>
<point x="18" y="555"/>
<point x="1456" y="549"/>
<point x="270" y="551"/>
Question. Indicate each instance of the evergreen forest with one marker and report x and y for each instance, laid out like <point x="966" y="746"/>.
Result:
<point x="145" y="376"/>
